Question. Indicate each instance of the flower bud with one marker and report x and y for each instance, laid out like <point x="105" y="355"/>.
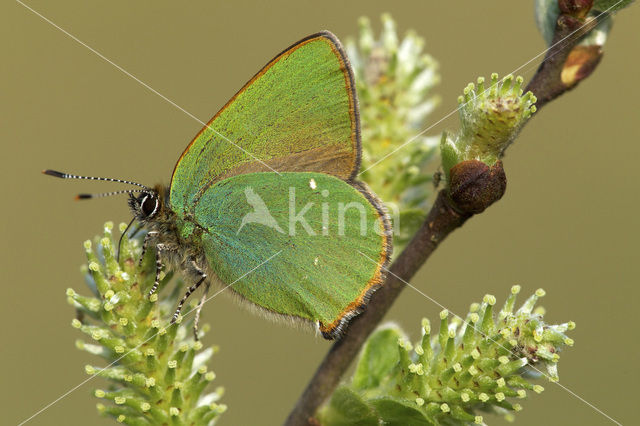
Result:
<point x="580" y="64"/>
<point x="474" y="186"/>
<point x="575" y="8"/>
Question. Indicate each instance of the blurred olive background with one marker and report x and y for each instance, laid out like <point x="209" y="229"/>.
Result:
<point x="568" y="222"/>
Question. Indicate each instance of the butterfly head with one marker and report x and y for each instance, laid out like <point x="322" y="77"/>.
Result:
<point x="148" y="205"/>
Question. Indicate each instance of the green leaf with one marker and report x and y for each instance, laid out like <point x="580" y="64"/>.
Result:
<point x="379" y="357"/>
<point x="606" y="4"/>
<point x="394" y="412"/>
<point x="546" y="14"/>
<point x="347" y="408"/>
<point x="449" y="154"/>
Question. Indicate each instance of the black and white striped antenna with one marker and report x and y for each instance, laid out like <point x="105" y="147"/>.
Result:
<point x="61" y="175"/>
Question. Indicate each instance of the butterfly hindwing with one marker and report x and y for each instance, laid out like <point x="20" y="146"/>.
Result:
<point x="329" y="237"/>
<point x="299" y="113"/>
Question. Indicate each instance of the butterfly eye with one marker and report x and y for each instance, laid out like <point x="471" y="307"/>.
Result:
<point x="149" y="205"/>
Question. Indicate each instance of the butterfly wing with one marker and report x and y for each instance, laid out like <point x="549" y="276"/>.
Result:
<point x="299" y="113"/>
<point x="303" y="245"/>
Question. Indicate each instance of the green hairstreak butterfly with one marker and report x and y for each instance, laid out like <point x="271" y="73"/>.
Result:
<point x="265" y="200"/>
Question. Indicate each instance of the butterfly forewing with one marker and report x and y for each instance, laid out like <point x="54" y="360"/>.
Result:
<point x="299" y="113"/>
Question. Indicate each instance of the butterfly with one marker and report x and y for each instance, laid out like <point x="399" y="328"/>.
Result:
<point x="265" y="199"/>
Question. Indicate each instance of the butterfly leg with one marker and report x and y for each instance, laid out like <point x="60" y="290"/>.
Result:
<point x="159" y="249"/>
<point x="145" y="244"/>
<point x="190" y="290"/>
<point x="197" y="319"/>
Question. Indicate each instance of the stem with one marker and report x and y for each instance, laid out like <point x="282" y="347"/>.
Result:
<point x="440" y="222"/>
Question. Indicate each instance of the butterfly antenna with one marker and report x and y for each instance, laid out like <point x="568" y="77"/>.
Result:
<point x="70" y="176"/>
<point x="108" y="194"/>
